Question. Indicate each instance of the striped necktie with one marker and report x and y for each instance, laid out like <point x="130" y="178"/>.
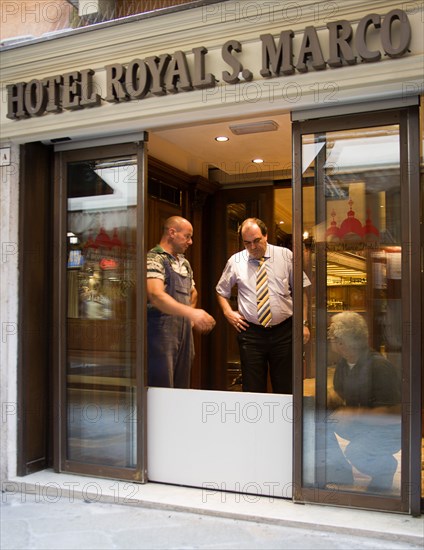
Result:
<point x="262" y="295"/>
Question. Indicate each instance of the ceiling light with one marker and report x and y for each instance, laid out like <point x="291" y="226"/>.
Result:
<point x="222" y="138"/>
<point x="254" y="127"/>
<point x="258" y="161"/>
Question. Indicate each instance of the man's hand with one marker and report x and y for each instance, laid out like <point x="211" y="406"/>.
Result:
<point x="233" y="317"/>
<point x="202" y="321"/>
<point x="236" y="320"/>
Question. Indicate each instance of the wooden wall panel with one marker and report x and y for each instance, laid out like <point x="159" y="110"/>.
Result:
<point x="35" y="213"/>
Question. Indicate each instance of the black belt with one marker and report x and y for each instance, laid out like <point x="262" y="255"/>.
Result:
<point x="269" y="327"/>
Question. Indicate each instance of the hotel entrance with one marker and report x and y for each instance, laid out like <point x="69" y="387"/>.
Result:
<point x="347" y="216"/>
<point x="109" y="129"/>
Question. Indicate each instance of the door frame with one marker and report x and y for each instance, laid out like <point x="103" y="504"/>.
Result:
<point x="408" y="120"/>
<point x="259" y="200"/>
<point x="60" y="463"/>
<point x="34" y="313"/>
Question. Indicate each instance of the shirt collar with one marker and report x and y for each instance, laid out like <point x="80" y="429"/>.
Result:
<point x="159" y="250"/>
<point x="267" y="255"/>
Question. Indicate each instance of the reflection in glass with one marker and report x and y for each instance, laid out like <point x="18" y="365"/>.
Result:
<point x="351" y="429"/>
<point x="101" y="238"/>
<point x="363" y="428"/>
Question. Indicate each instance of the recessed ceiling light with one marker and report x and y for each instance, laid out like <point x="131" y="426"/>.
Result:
<point x="258" y="161"/>
<point x="222" y="138"/>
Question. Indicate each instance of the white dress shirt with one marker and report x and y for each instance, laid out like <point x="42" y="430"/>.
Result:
<point x="241" y="270"/>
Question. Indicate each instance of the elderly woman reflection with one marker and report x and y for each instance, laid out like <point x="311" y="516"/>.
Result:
<point x="366" y="403"/>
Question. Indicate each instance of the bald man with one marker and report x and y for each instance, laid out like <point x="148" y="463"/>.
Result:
<point x="171" y="309"/>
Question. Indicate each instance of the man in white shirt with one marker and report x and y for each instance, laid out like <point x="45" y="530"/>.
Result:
<point x="263" y="342"/>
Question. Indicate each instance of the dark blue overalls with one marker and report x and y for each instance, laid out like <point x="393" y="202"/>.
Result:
<point x="169" y="337"/>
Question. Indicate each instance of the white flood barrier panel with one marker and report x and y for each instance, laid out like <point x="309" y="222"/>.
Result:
<point x="224" y="441"/>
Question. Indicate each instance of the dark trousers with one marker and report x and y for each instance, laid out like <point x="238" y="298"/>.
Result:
<point x="267" y="348"/>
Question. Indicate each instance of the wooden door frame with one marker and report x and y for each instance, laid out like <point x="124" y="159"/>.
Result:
<point x="261" y="205"/>
<point x="34" y="313"/>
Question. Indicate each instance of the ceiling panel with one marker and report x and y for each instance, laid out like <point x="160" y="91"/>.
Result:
<point x="235" y="156"/>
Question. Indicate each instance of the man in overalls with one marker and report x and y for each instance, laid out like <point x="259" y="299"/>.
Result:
<point x="171" y="309"/>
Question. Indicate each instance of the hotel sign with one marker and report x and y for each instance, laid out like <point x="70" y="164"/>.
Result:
<point x="170" y="73"/>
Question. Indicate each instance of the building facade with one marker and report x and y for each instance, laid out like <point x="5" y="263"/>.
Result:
<point x="109" y="129"/>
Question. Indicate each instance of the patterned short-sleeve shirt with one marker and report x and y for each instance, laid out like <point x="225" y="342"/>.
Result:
<point x="156" y="267"/>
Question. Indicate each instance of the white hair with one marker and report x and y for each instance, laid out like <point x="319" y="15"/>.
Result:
<point x="351" y="328"/>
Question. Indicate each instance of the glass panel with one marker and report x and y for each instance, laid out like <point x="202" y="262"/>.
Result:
<point x="352" y="254"/>
<point x="101" y="274"/>
<point x="283" y="216"/>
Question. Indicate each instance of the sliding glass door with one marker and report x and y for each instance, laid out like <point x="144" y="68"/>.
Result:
<point x="100" y="292"/>
<point x="356" y="443"/>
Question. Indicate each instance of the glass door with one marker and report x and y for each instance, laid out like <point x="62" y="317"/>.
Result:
<point x="357" y="443"/>
<point x="100" y="350"/>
